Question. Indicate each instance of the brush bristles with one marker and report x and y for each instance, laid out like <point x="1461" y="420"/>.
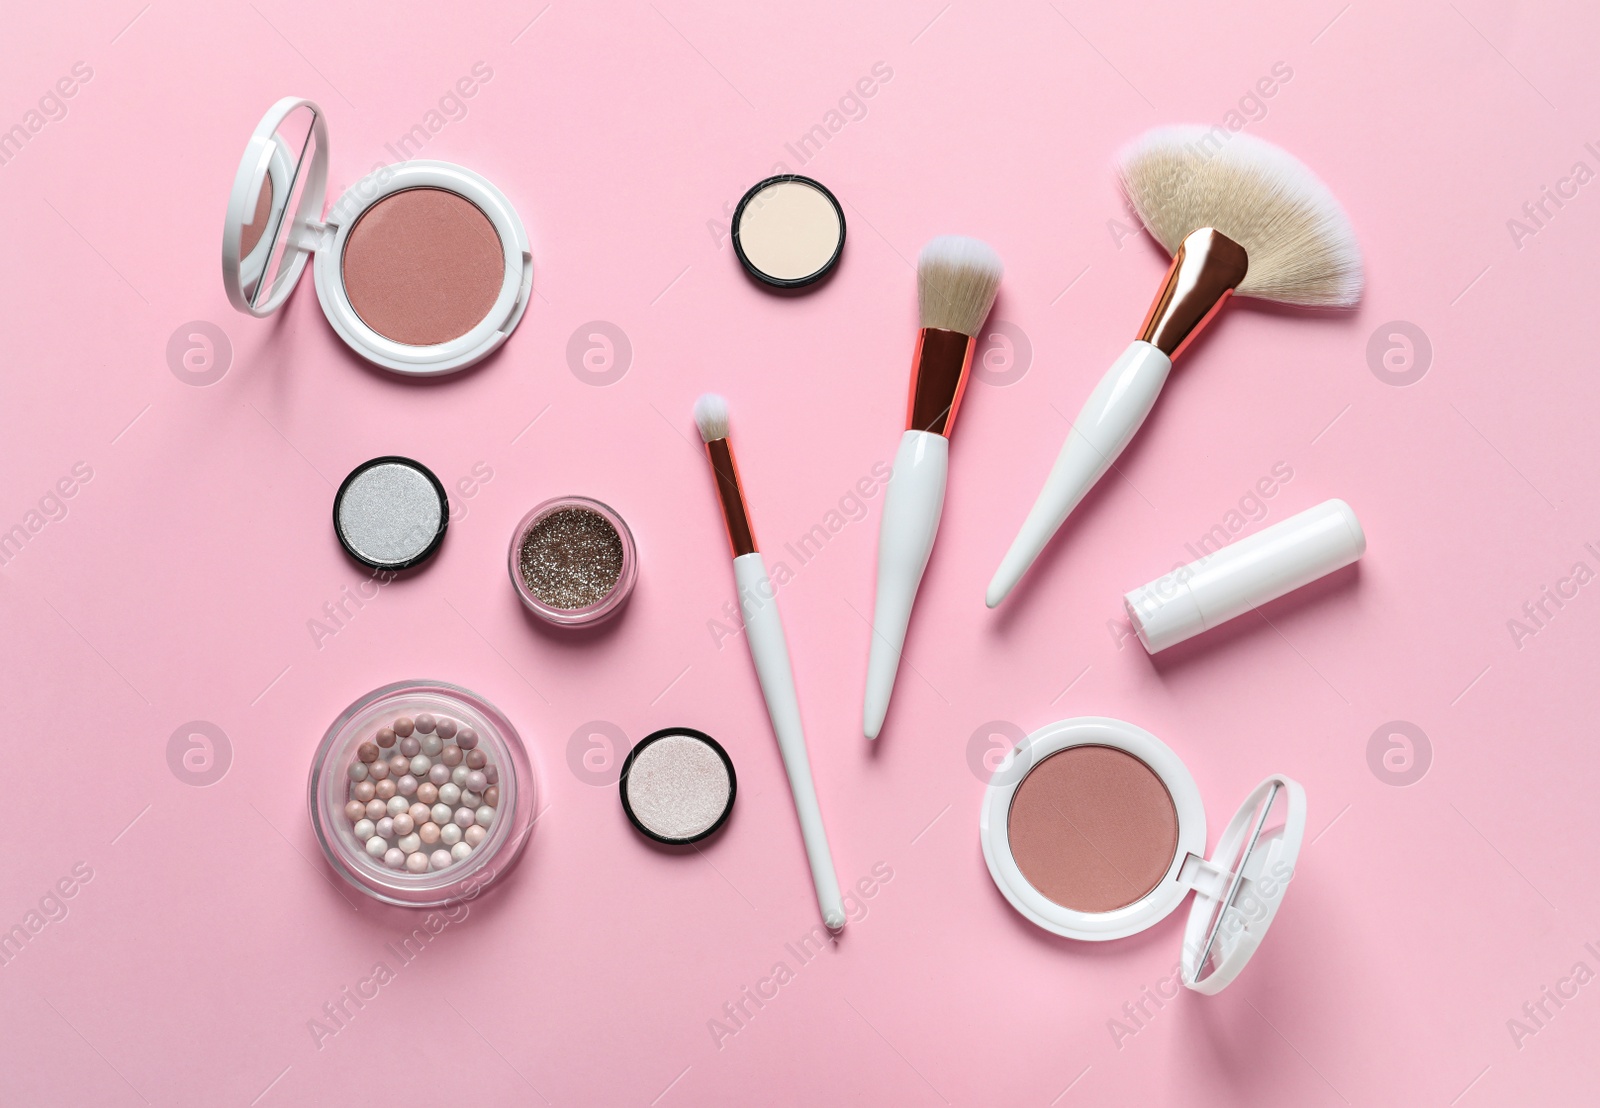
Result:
<point x="1301" y="246"/>
<point x="711" y="416"/>
<point x="957" y="279"/>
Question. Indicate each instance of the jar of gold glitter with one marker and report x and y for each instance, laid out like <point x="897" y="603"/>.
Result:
<point x="573" y="561"/>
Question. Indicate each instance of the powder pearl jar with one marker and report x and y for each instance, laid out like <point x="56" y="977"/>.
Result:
<point x="573" y="561"/>
<point x="354" y="760"/>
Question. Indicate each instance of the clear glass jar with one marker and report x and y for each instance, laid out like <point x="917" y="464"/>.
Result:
<point x="332" y="787"/>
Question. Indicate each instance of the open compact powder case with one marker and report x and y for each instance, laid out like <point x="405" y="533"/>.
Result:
<point x="421" y="794"/>
<point x="422" y="268"/>
<point x="1103" y="836"/>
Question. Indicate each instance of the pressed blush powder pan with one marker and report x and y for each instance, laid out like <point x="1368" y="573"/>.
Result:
<point x="391" y="513"/>
<point x="678" y="786"/>
<point x="573" y="561"/>
<point x="1093" y="828"/>
<point x="788" y="231"/>
<point x="1102" y="835"/>
<point x="422" y="267"/>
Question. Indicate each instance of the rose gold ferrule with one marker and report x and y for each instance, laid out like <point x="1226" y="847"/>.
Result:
<point x="938" y="379"/>
<point x="741" y="537"/>
<point x="1206" y="269"/>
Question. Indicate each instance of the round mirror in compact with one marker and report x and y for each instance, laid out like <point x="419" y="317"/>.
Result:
<point x="1093" y="829"/>
<point x="423" y="268"/>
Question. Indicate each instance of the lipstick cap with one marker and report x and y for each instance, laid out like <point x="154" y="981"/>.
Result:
<point x="1246" y="574"/>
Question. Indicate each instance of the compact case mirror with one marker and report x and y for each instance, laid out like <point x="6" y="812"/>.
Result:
<point x="422" y="268"/>
<point x="1104" y="834"/>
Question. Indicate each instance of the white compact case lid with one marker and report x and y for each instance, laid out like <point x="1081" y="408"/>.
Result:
<point x="290" y="148"/>
<point x="1245" y="574"/>
<point x="1237" y="891"/>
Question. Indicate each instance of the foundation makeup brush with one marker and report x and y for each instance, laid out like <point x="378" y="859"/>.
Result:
<point x="763" y="630"/>
<point x="1239" y="216"/>
<point x="957" y="279"/>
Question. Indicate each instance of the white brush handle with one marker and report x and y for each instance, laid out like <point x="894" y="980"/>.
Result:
<point x="911" y="509"/>
<point x="1109" y="418"/>
<point x="763" y="630"/>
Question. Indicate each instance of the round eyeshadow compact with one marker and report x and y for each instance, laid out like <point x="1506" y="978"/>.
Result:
<point x="391" y="513"/>
<point x="678" y="786"/>
<point x="422" y="267"/>
<point x="1093" y="829"/>
<point x="573" y="561"/>
<point x="421" y="794"/>
<point x="788" y="231"/>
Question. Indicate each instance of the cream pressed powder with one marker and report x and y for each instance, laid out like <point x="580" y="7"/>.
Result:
<point x="423" y="266"/>
<point x="788" y="231"/>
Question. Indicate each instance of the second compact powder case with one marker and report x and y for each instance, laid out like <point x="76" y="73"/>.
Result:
<point x="1094" y="829"/>
<point x="422" y="268"/>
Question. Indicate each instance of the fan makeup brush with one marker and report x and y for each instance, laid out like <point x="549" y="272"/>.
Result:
<point x="770" y="652"/>
<point x="957" y="279"/>
<point x="1239" y="217"/>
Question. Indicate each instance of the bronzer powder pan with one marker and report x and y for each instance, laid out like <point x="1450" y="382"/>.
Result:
<point x="422" y="268"/>
<point x="1102" y="835"/>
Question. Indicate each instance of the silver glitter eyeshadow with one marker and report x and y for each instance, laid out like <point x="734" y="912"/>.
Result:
<point x="678" y="788"/>
<point x="390" y="513"/>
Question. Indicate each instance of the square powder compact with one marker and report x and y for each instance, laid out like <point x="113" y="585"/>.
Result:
<point x="1093" y="829"/>
<point x="422" y="268"/>
<point x="421" y="794"/>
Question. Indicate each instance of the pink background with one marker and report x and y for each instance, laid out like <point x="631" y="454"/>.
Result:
<point x="179" y="584"/>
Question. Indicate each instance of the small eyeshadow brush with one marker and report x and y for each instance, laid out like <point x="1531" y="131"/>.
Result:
<point x="763" y="631"/>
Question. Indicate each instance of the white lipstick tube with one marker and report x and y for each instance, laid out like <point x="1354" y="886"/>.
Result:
<point x="1244" y="575"/>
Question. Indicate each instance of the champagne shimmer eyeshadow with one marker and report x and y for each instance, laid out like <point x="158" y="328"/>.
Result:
<point x="423" y="266"/>
<point x="1093" y="828"/>
<point x="678" y="786"/>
